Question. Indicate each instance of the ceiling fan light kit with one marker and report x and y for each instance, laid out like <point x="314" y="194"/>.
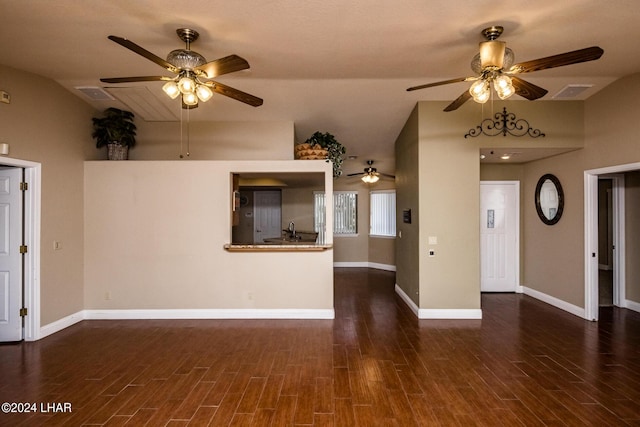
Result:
<point x="371" y="174"/>
<point x="494" y="68"/>
<point x="193" y="72"/>
<point x="370" y="178"/>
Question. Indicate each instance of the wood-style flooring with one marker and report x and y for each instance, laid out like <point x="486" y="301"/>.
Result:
<point x="524" y="364"/>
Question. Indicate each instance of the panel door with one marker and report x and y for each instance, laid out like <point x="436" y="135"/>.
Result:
<point x="499" y="228"/>
<point x="10" y="256"/>
<point x="267" y="214"/>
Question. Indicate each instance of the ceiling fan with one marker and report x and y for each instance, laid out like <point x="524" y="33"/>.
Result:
<point x="193" y="73"/>
<point x="371" y="174"/>
<point x="494" y="67"/>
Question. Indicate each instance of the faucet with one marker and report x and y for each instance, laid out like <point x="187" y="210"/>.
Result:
<point x="292" y="230"/>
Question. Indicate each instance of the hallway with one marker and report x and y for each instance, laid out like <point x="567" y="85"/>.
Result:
<point x="524" y="363"/>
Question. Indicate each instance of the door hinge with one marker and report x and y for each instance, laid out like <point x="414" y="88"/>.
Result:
<point x="24" y="186"/>
<point x="23" y="249"/>
<point x="23" y="312"/>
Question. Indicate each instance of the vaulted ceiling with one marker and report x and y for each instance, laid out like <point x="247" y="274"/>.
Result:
<point x="331" y="65"/>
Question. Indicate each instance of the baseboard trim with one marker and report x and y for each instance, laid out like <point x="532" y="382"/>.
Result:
<point x="632" y="305"/>
<point x="412" y="305"/>
<point x="558" y="303"/>
<point x="365" y="264"/>
<point x="251" y="313"/>
<point x="58" y="325"/>
<point x="450" y="313"/>
<point x="438" y="313"/>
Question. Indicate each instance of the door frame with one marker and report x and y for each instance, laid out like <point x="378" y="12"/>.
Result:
<point x="518" y="285"/>
<point x="591" y="176"/>
<point x="31" y="224"/>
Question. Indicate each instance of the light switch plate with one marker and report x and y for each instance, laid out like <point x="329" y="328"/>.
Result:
<point x="5" y="97"/>
<point x="433" y="240"/>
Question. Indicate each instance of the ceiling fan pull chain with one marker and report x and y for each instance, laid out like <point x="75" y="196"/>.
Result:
<point x="181" y="156"/>
<point x="188" y="136"/>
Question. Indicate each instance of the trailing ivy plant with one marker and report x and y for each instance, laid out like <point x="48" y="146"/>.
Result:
<point x="335" y="150"/>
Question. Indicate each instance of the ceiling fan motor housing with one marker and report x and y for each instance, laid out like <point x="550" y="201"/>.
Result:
<point x="492" y="55"/>
<point x="186" y="59"/>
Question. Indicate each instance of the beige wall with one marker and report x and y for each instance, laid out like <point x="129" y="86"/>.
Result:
<point x="153" y="241"/>
<point x="297" y="206"/>
<point x="215" y="141"/>
<point x="449" y="172"/>
<point x="45" y="123"/>
<point x="447" y="189"/>
<point x="554" y="255"/>
<point x="407" y="198"/>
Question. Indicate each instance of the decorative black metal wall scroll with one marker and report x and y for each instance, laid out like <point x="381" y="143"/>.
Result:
<point x="504" y="123"/>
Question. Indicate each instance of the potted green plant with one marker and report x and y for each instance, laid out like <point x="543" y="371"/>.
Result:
<point x="322" y="146"/>
<point x="117" y="131"/>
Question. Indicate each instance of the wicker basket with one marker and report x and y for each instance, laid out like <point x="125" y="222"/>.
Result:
<point x="307" y="152"/>
<point x="117" y="152"/>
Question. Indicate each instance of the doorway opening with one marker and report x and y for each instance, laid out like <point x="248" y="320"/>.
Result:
<point x="597" y="240"/>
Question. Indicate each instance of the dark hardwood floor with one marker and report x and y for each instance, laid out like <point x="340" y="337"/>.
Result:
<point x="525" y="363"/>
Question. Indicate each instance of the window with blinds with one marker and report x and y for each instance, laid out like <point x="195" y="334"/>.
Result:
<point x="382" y="214"/>
<point x="345" y="212"/>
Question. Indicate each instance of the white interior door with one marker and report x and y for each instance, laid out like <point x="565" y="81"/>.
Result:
<point x="267" y="215"/>
<point x="499" y="236"/>
<point x="10" y="256"/>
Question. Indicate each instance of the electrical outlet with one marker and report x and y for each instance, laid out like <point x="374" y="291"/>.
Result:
<point x="57" y="245"/>
<point x="107" y="296"/>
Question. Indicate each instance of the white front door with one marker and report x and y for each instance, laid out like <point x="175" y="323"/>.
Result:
<point x="267" y="215"/>
<point x="499" y="235"/>
<point x="10" y="256"/>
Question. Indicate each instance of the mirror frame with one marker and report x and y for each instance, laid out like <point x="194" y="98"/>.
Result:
<point x="555" y="182"/>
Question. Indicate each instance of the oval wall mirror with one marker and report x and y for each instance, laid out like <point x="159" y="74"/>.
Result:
<point x="549" y="199"/>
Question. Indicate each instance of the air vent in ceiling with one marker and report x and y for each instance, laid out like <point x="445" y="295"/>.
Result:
<point x="571" y="91"/>
<point x="95" y="93"/>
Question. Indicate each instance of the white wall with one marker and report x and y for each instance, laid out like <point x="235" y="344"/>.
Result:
<point x="154" y="238"/>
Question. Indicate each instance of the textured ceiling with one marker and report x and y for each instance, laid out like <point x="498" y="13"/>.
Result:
<point x="328" y="65"/>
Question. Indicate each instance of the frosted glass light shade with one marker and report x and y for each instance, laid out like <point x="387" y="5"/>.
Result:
<point x="171" y="89"/>
<point x="190" y="98"/>
<point x="204" y="93"/>
<point x="186" y="85"/>
<point x="370" y="178"/>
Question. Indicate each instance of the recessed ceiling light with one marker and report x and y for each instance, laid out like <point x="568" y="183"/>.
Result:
<point x="482" y="156"/>
<point x="352" y="157"/>
<point x="505" y="156"/>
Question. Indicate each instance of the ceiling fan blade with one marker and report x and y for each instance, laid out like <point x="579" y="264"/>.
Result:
<point x="444" y="82"/>
<point x="387" y="175"/>
<point x="356" y="174"/>
<point x="228" y="64"/>
<point x="236" y="94"/>
<point x="143" y="52"/>
<point x="459" y="101"/>
<point x="574" y="57"/>
<point x="527" y="90"/>
<point x="135" y="79"/>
